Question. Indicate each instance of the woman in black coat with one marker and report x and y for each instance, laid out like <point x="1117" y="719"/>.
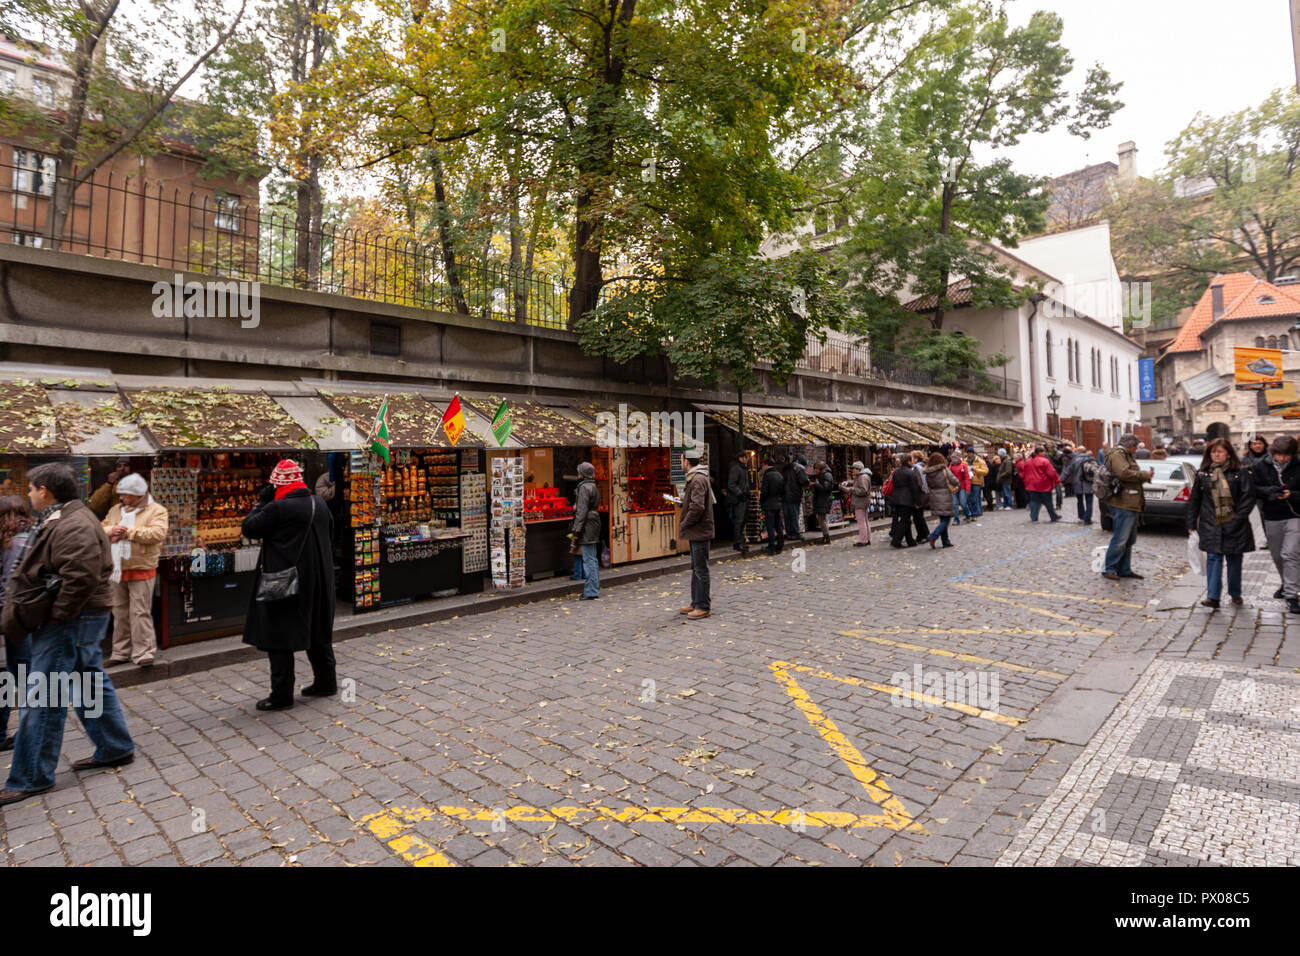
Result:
<point x="1223" y="496"/>
<point x="905" y="497"/>
<point x="771" y="499"/>
<point x="295" y="528"/>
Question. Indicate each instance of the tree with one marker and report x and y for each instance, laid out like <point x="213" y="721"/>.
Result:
<point x="925" y="204"/>
<point x="121" y="91"/>
<point x="1229" y="197"/>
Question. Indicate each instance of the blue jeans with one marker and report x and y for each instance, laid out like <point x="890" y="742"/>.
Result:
<point x="1039" y="499"/>
<point x="1120" y="552"/>
<point x="975" y="501"/>
<point x="1085" y="507"/>
<point x="1007" y="501"/>
<point x="591" y="570"/>
<point x="958" y="505"/>
<point x="790" y="513"/>
<point x="700" y="575"/>
<point x="72" y="649"/>
<point x="1214" y="574"/>
<point x="16" y="652"/>
<point x="941" y="530"/>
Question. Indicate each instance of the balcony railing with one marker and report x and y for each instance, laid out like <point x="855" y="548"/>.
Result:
<point x="862" y="361"/>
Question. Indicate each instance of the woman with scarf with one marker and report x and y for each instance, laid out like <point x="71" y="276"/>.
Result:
<point x="859" y="492"/>
<point x="295" y="528"/>
<point x="1223" y="496"/>
<point x="136" y="527"/>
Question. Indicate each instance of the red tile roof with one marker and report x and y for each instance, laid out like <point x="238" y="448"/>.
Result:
<point x="1241" y="294"/>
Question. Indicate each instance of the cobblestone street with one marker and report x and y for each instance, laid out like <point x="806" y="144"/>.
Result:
<point x="995" y="703"/>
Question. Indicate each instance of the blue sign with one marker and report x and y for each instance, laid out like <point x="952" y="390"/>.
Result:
<point x="1147" y="379"/>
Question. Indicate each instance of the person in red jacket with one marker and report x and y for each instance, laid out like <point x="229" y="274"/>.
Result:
<point x="961" y="499"/>
<point x="1040" y="479"/>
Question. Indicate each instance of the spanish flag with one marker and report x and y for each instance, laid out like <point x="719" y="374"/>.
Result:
<point x="453" y="420"/>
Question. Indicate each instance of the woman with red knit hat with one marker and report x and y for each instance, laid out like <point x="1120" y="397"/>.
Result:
<point x="296" y="529"/>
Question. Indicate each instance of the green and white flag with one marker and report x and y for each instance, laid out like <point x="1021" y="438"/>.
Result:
<point x="502" y="423"/>
<point x="379" y="433"/>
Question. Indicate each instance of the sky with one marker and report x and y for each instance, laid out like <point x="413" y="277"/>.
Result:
<point x="1175" y="57"/>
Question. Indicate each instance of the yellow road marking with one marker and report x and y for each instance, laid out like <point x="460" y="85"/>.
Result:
<point x="1038" y="631"/>
<point x="975" y="589"/>
<point x="387" y="826"/>
<point x="1053" y="594"/>
<point x="896" y="815"/>
<point x="913" y="695"/>
<point x="728" y="815"/>
<point x="969" y="658"/>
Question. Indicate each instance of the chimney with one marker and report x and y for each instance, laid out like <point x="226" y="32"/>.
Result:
<point x="1216" y="301"/>
<point x="1128" y="161"/>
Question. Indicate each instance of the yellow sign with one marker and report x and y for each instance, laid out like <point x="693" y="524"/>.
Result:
<point x="1257" y="368"/>
<point x="1282" y="400"/>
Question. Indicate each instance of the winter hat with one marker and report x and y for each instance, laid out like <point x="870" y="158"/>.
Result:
<point x="132" y="484"/>
<point x="694" y="453"/>
<point x="286" y="473"/>
<point x="587" y="469"/>
<point x="858" y="466"/>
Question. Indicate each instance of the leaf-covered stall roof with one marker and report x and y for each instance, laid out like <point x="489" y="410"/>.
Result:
<point x="104" y="419"/>
<point x="216" y="418"/>
<point x="536" y="425"/>
<point x="27" y="420"/>
<point x="413" y="421"/>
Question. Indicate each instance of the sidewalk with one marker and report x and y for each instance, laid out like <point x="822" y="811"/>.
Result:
<point x="203" y="655"/>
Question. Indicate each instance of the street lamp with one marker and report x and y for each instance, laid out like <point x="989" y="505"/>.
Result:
<point x="1054" y="402"/>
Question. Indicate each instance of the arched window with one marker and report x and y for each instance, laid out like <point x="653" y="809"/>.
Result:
<point x="1272" y="341"/>
<point x="1259" y="341"/>
<point x="1050" y="371"/>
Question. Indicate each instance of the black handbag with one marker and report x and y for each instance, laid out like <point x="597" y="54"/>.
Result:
<point x="280" y="585"/>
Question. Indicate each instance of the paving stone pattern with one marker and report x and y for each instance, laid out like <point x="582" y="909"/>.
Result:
<point x="622" y="703"/>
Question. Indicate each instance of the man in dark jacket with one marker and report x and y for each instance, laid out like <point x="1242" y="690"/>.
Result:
<point x="1277" y="489"/>
<point x="823" y="490"/>
<point x="796" y="480"/>
<point x="1125" y="505"/>
<point x="905" y="498"/>
<point x="738" y="499"/>
<point x="586" y="528"/>
<point x="696" y="526"/>
<point x="772" y="501"/>
<point x="1006" y="477"/>
<point x="295" y="529"/>
<point x="59" y="594"/>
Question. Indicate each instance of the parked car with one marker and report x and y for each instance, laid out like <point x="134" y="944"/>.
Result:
<point x="1167" y="493"/>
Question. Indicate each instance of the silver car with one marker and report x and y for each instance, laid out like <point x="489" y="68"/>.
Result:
<point x="1167" y="493"/>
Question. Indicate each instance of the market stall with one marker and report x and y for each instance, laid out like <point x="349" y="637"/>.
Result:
<point x="414" y="525"/>
<point x="29" y="435"/>
<point x="216" y="446"/>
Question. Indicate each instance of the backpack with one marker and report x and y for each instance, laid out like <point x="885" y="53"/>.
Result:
<point x="1089" y="471"/>
<point x="887" y="489"/>
<point x="1104" y="484"/>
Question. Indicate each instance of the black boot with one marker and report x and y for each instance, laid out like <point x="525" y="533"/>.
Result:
<point x="1293" y="605"/>
<point x="1279" y="593"/>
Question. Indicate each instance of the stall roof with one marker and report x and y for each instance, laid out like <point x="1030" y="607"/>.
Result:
<point x="96" y="421"/>
<point x="659" y="427"/>
<point x="28" y="425"/>
<point x="414" y="421"/>
<point x="536" y="425"/>
<point x="329" y="430"/>
<point x="223" y="417"/>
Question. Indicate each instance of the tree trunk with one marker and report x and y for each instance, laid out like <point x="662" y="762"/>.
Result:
<point x="443" y="216"/>
<point x="945" y="227"/>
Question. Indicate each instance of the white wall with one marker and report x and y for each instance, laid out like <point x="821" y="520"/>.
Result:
<point x="1081" y="259"/>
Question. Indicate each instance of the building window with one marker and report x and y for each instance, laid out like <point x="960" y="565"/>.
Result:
<point x="385" y="339"/>
<point x="1259" y="341"/>
<point x="1272" y="341"/>
<point x="43" y="92"/>
<point x="28" y="239"/>
<point x="227" y="213"/>
<point x="7" y="82"/>
<point x="1050" y="372"/>
<point x="33" y="173"/>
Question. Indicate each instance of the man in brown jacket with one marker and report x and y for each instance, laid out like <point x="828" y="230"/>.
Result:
<point x="59" y="595"/>
<point x="1124" y="506"/>
<point x="696" y="526"/>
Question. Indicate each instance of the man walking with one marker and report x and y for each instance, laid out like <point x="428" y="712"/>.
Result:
<point x="59" y="594"/>
<point x="696" y="526"/>
<point x="1080" y="470"/>
<point x="905" y="497"/>
<point x="975" y="500"/>
<point x="1125" y="501"/>
<point x="771" y="499"/>
<point x="1277" y="485"/>
<point x="1006" y="475"/>
<point x="796" y="480"/>
<point x="1040" y="478"/>
<point x="136" y="527"/>
<point x="738" y="486"/>
<point x="586" y="528"/>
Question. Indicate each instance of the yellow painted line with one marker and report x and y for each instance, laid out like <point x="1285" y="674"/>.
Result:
<point x="728" y="815"/>
<point x="913" y="695"/>
<point x="387" y="826"/>
<point x="877" y="790"/>
<point x="1053" y="594"/>
<point x="974" y="589"/>
<point x="976" y="631"/>
<point x="944" y="652"/>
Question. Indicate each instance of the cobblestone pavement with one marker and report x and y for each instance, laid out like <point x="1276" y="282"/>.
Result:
<point x="997" y="702"/>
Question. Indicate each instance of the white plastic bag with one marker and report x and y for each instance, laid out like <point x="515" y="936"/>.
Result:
<point x="1195" y="556"/>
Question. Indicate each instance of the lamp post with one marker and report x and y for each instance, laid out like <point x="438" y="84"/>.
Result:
<point x="1054" y="402"/>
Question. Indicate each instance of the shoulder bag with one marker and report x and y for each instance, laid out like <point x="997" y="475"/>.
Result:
<point x="279" y="585"/>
